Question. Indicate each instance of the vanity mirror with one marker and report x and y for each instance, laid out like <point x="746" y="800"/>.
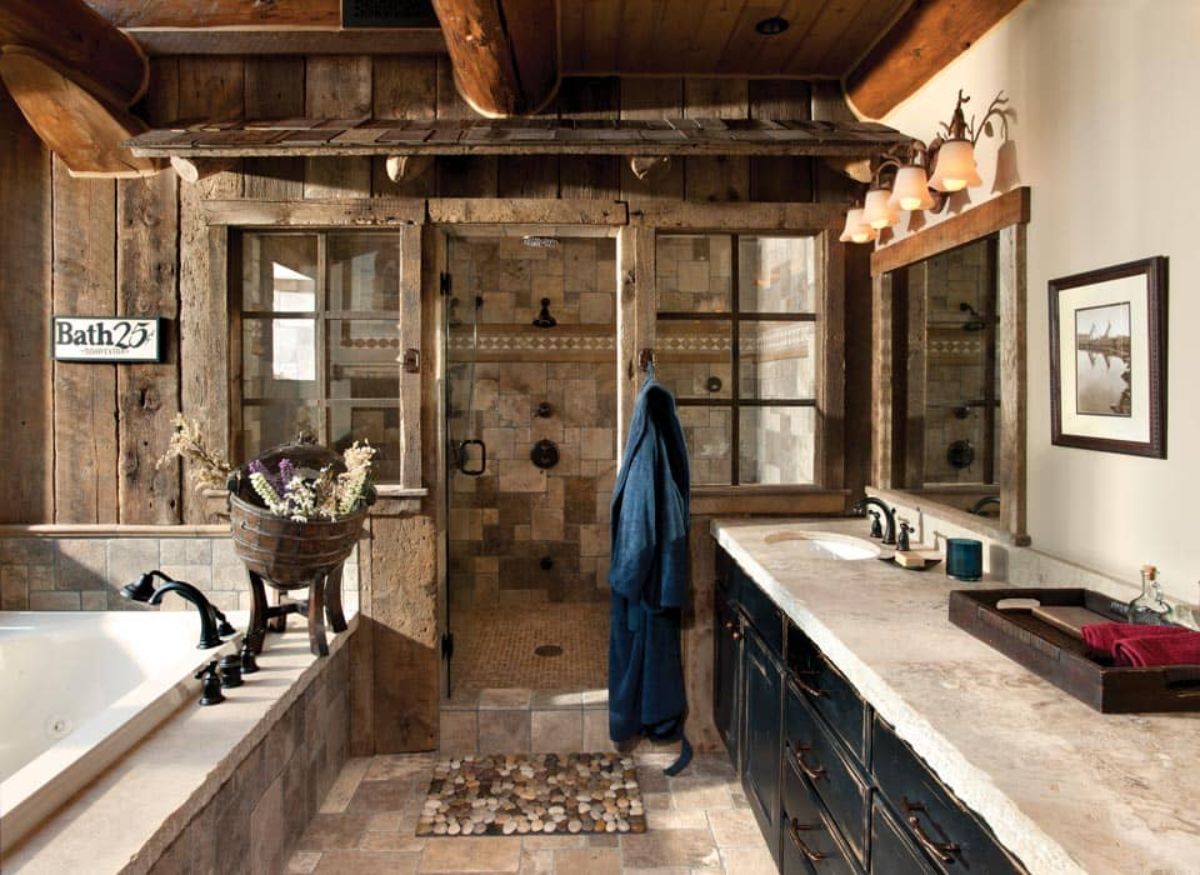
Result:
<point x="949" y="365"/>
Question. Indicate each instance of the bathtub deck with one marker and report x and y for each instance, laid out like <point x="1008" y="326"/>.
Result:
<point x="697" y="821"/>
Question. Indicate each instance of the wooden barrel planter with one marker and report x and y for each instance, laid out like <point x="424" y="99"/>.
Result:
<point x="287" y="555"/>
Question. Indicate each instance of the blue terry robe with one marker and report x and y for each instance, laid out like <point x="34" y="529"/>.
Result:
<point x="649" y="576"/>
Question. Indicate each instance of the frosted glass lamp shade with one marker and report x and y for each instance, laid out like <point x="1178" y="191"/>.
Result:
<point x="955" y="168"/>
<point x="856" y="230"/>
<point x="879" y="212"/>
<point x="910" y="192"/>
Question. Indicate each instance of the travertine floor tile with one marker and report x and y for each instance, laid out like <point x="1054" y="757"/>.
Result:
<point x="482" y="854"/>
<point x="373" y="797"/>
<point x="347" y="782"/>
<point x="333" y="832"/>
<point x="693" y="848"/>
<point x="366" y="863"/>
<point x="588" y="861"/>
<point x="734" y="828"/>
<point x="748" y="861"/>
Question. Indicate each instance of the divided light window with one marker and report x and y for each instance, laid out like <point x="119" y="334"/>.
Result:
<point x="735" y="341"/>
<point x="319" y="340"/>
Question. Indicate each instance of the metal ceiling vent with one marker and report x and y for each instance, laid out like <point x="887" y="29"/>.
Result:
<point x="388" y="13"/>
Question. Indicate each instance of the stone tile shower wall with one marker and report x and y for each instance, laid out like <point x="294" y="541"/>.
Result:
<point x="955" y="358"/>
<point x="505" y="523"/>
<point x="87" y="573"/>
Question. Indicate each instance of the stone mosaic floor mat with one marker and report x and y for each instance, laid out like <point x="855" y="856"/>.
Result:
<point x="519" y="794"/>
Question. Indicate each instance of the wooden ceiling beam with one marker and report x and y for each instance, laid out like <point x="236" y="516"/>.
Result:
<point x="82" y="130"/>
<point x="504" y="52"/>
<point x="220" y="13"/>
<point x="80" y="43"/>
<point x="923" y="41"/>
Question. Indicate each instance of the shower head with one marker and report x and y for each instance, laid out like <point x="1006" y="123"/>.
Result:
<point x="537" y="241"/>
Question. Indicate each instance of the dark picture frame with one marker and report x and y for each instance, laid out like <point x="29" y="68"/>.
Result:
<point x="1141" y="345"/>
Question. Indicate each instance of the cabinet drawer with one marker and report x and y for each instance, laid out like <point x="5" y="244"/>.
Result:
<point x="948" y="833"/>
<point x="811" y="750"/>
<point x="810" y="842"/>
<point x="891" y="851"/>
<point x="833" y="697"/>
<point x="762" y="613"/>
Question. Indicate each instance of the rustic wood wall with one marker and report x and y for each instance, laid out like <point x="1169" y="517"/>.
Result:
<point x="87" y="436"/>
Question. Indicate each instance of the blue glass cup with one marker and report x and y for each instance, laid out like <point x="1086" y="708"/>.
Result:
<point x="964" y="558"/>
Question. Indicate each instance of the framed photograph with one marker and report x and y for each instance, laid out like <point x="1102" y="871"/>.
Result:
<point x="1108" y="359"/>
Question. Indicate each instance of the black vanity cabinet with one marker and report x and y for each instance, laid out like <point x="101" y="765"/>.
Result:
<point x="763" y="683"/>
<point x="833" y="788"/>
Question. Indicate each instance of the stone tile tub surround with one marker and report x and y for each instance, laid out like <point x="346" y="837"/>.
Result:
<point x="224" y="789"/>
<point x="1066" y="789"/>
<point x="73" y="572"/>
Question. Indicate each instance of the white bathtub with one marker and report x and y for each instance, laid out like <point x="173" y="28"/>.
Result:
<point x="78" y="690"/>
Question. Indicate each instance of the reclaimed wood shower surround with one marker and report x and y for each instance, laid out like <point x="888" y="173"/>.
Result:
<point x="85" y="438"/>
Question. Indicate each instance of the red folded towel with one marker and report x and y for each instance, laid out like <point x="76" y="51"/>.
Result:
<point x="1159" y="650"/>
<point x="1103" y="637"/>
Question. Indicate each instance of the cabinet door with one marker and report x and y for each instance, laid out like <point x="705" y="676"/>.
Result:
<point x="727" y="654"/>
<point x="762" y="736"/>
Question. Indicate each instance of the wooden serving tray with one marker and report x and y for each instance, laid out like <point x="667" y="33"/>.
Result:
<point x="1063" y="659"/>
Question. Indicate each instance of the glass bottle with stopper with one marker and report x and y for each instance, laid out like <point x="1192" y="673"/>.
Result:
<point x="1150" y="608"/>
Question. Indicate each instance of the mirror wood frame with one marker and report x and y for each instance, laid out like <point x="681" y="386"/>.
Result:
<point x="1007" y="217"/>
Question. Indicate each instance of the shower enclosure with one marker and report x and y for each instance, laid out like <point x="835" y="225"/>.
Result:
<point x="530" y="430"/>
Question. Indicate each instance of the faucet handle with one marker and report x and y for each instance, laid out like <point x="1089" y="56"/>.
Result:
<point x="876" y="525"/>
<point x="211" y="694"/>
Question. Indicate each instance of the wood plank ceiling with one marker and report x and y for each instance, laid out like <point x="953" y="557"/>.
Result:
<point x="823" y="39"/>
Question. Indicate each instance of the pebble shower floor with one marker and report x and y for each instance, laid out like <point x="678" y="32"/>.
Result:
<point x="543" y="794"/>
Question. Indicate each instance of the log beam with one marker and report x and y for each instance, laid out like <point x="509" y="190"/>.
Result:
<point x="81" y="44"/>
<point x="925" y="39"/>
<point x="78" y="127"/>
<point x="504" y="52"/>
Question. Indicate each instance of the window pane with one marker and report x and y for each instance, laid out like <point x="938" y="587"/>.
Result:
<point x="279" y="359"/>
<point x="777" y="274"/>
<point x="378" y="424"/>
<point x="279" y="273"/>
<point x="693" y="272"/>
<point x="271" y="425"/>
<point x="362" y="358"/>
<point x="694" y="358"/>
<point x="364" y="272"/>
<point x="776" y="444"/>
<point x="778" y="359"/>
<point x="708" y="432"/>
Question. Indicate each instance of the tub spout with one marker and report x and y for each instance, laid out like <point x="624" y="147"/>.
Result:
<point x="213" y="623"/>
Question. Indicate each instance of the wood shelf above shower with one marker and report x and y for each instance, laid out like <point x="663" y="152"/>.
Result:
<point x="658" y="137"/>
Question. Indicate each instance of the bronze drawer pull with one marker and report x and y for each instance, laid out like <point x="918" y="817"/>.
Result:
<point x="733" y="630"/>
<point x="794" y="834"/>
<point x="812" y="773"/>
<point x="942" y="852"/>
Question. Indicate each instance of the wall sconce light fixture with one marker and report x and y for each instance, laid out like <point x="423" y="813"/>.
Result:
<point x="919" y="176"/>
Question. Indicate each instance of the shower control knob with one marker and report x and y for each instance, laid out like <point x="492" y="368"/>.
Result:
<point x="546" y="563"/>
<point x="544" y="454"/>
<point x="544" y="410"/>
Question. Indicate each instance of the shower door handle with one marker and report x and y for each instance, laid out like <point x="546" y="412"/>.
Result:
<point x="462" y="458"/>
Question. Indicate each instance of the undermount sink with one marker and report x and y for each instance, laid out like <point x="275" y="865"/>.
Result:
<point x="826" y="545"/>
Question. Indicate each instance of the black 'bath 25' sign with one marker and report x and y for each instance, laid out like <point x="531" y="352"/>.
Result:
<point x="100" y="339"/>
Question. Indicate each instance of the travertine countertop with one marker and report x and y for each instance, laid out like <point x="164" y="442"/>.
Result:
<point x="1065" y="788"/>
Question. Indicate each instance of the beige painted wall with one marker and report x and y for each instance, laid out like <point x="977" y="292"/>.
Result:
<point x="1105" y="133"/>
